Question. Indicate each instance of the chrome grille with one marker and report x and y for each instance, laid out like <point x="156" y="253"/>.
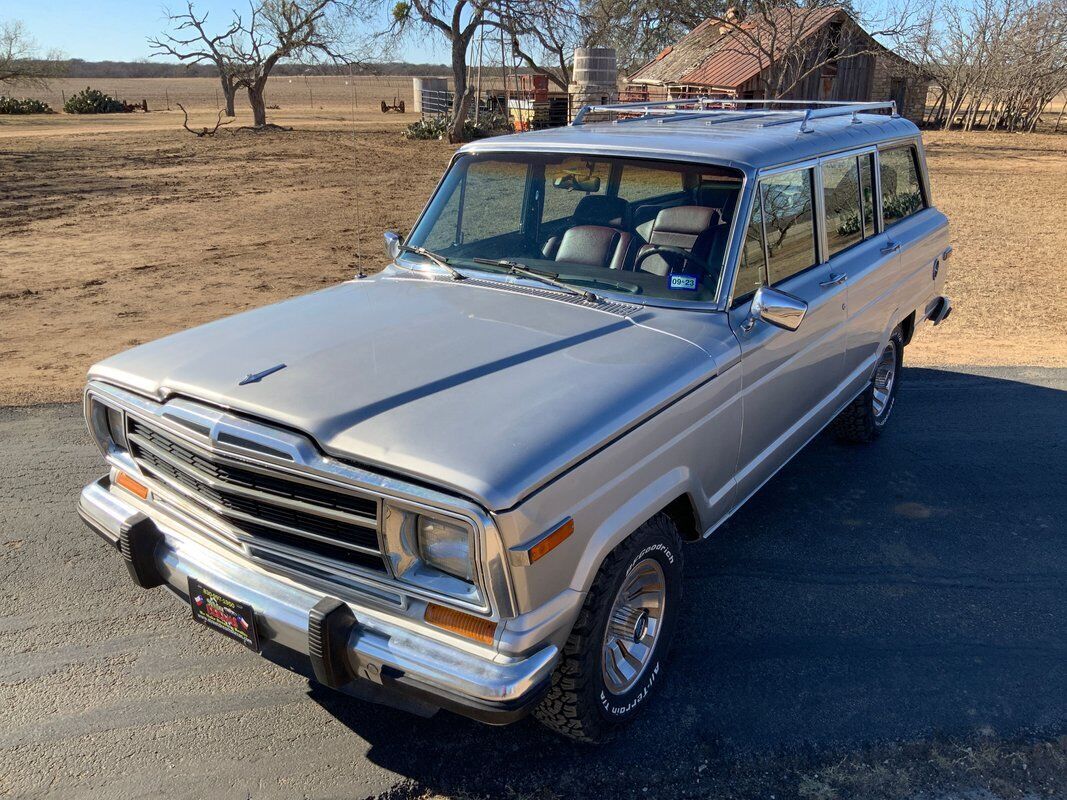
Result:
<point x="268" y="512"/>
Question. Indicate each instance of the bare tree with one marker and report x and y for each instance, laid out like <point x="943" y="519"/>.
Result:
<point x="997" y="64"/>
<point x="192" y="44"/>
<point x="545" y="33"/>
<point x="307" y="30"/>
<point x="20" y="60"/>
<point x="639" y="29"/>
<point x="457" y="21"/>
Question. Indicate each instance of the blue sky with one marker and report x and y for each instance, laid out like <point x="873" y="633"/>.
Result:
<point x="117" y="30"/>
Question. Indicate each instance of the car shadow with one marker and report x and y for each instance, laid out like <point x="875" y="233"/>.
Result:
<point x="903" y="590"/>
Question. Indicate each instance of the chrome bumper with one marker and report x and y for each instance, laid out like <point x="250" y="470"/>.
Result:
<point x="372" y="648"/>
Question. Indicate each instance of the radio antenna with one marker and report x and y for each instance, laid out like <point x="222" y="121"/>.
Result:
<point x="355" y="183"/>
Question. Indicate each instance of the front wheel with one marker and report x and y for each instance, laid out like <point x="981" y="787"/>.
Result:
<point x="614" y="656"/>
<point x="864" y="419"/>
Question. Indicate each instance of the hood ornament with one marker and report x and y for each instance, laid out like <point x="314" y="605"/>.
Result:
<point x="256" y="377"/>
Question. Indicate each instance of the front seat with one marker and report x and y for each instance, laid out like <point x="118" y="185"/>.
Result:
<point x="599" y="237"/>
<point x="692" y="228"/>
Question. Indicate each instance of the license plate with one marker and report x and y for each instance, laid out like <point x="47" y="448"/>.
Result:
<point x="224" y="614"/>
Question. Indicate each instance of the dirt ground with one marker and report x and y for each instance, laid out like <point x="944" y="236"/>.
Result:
<point x="117" y="230"/>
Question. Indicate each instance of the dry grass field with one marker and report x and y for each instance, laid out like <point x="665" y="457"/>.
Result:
<point x="116" y="230"/>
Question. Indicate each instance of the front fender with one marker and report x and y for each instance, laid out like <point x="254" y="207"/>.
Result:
<point x="626" y="519"/>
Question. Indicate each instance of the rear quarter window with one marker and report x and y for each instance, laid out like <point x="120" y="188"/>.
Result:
<point x="902" y="192"/>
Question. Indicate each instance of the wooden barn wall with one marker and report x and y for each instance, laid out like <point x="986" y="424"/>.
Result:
<point x="855" y="73"/>
<point x="854" y="77"/>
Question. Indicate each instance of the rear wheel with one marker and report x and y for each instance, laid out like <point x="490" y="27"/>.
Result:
<point x="865" y="417"/>
<point x="613" y="658"/>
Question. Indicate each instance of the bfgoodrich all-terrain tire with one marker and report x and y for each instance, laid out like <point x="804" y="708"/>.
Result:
<point x="864" y="419"/>
<point x="614" y="656"/>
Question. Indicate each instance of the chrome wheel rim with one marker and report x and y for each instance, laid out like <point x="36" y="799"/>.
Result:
<point x="885" y="373"/>
<point x="634" y="624"/>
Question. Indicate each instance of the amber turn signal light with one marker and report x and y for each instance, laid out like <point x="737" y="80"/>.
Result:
<point x="466" y="625"/>
<point x="550" y="542"/>
<point x="131" y="485"/>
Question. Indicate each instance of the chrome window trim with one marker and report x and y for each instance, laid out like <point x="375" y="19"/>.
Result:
<point x="307" y="464"/>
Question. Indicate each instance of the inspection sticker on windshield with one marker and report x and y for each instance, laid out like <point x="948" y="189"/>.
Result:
<point x="688" y="282"/>
<point x="226" y="615"/>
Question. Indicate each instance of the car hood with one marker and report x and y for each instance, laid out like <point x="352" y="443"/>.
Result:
<point x="489" y="392"/>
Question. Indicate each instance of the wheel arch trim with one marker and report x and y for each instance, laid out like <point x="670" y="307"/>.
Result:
<point x="657" y="496"/>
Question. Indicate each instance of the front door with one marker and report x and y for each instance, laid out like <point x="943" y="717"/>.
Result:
<point x="790" y="378"/>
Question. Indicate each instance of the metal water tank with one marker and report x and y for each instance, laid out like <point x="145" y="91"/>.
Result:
<point x="595" y="66"/>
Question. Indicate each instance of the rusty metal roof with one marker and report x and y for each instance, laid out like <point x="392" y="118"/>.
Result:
<point x="715" y="56"/>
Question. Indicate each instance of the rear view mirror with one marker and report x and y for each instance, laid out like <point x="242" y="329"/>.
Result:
<point x="571" y="181"/>
<point x="777" y="308"/>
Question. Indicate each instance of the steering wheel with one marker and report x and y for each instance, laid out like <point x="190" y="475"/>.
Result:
<point x="654" y="249"/>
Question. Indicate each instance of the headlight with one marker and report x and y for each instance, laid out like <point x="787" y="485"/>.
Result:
<point x="445" y="546"/>
<point x="435" y="552"/>
<point x="107" y="426"/>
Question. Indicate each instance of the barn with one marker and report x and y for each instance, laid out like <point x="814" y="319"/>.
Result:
<point x="808" y="53"/>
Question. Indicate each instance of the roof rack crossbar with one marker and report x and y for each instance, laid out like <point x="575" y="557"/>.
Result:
<point x="689" y="108"/>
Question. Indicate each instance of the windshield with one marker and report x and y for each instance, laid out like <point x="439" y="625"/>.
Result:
<point x="647" y="228"/>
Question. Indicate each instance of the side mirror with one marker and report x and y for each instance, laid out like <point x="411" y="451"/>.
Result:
<point x="393" y="241"/>
<point x="780" y="309"/>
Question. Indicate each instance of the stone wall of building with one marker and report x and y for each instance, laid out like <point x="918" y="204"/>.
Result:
<point x="888" y="72"/>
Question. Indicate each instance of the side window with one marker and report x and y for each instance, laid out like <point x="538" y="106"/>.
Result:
<point x="750" y="271"/>
<point x="867" y="191"/>
<point x="496" y="189"/>
<point x="902" y="193"/>
<point x="789" y="223"/>
<point x="642" y="183"/>
<point x="572" y="175"/>
<point x="841" y="198"/>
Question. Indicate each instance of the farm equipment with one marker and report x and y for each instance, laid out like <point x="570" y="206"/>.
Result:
<point x="397" y="105"/>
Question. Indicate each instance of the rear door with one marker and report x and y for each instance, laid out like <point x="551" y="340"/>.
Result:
<point x="789" y="377"/>
<point x="888" y="271"/>
<point x="859" y="254"/>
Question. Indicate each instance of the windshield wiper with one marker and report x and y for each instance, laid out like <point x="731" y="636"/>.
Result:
<point x="440" y="261"/>
<point x="550" y="278"/>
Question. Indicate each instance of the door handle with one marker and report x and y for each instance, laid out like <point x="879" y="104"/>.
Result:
<point x="892" y="247"/>
<point x="835" y="280"/>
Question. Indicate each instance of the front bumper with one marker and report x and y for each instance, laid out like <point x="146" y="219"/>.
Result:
<point x="359" y="650"/>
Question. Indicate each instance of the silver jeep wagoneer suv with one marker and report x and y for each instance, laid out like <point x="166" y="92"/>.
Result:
<point x="465" y="481"/>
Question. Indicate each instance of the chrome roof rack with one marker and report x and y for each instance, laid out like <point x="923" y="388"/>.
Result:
<point x="698" y="107"/>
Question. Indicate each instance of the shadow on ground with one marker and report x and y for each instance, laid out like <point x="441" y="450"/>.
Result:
<point x="906" y="590"/>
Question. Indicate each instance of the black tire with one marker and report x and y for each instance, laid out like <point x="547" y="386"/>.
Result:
<point x="860" y="422"/>
<point x="580" y="705"/>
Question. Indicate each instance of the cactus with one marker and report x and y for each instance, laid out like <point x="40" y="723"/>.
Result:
<point x="93" y="101"/>
<point x="12" y="105"/>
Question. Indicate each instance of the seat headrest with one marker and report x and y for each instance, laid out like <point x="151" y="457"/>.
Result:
<point x="685" y="220"/>
<point x="598" y="209"/>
